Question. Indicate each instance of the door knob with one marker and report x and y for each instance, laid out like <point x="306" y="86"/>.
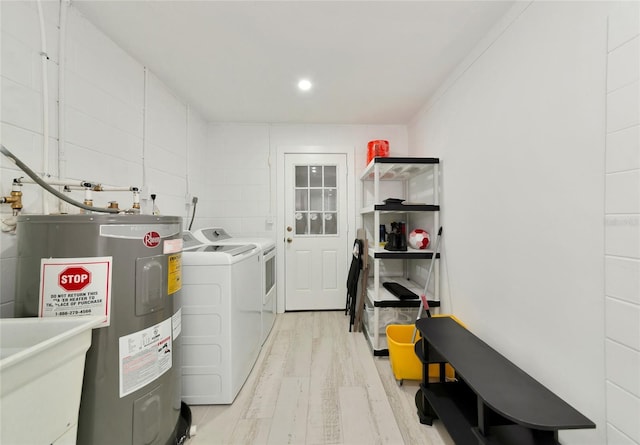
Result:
<point x="289" y="240"/>
<point x="289" y="228"/>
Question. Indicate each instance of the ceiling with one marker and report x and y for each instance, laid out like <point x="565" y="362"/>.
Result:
<point x="371" y="62"/>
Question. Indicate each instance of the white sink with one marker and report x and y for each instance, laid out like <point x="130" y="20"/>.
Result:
<point x="41" y="370"/>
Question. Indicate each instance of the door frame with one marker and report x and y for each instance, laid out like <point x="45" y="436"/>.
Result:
<point x="281" y="152"/>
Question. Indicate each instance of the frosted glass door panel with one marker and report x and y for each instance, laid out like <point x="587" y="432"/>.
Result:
<point x="316" y="200"/>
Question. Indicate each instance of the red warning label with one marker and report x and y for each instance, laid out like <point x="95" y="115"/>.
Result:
<point x="75" y="287"/>
<point x="74" y="278"/>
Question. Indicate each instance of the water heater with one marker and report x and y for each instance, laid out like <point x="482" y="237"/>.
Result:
<point x="128" y="269"/>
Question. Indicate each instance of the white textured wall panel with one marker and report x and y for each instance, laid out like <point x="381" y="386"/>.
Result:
<point x="166" y="148"/>
<point x="21" y="106"/>
<point x="623" y="192"/>
<point x="241" y="189"/>
<point x="99" y="166"/>
<point x="623" y="110"/>
<point x="623" y="150"/>
<point x="167" y="186"/>
<point x="25" y="144"/>
<point x="169" y="160"/>
<point x="97" y="135"/>
<point x="20" y="19"/>
<point x="624" y="65"/>
<point x="624" y="23"/>
<point x="623" y="367"/>
<point x="622" y="411"/>
<point x="196" y="166"/>
<point x="617" y="437"/>
<point x="623" y="323"/>
<point x="84" y="97"/>
<point x="622" y="235"/>
<point x="17" y="61"/>
<point x="166" y="121"/>
<point x="91" y="55"/>
<point x="622" y="279"/>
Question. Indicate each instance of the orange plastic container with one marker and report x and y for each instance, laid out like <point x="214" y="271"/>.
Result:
<point x="378" y="148"/>
<point x="405" y="364"/>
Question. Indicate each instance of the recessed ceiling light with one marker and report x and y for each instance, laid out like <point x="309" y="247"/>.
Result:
<point x="304" y="84"/>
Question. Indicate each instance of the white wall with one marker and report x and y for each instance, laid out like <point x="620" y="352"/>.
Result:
<point x="520" y="129"/>
<point x="240" y="168"/>
<point x="120" y="125"/>
<point x="240" y="172"/>
<point x="622" y="230"/>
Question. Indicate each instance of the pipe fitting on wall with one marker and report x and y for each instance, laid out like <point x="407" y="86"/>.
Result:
<point x="15" y="199"/>
<point x="136" y="201"/>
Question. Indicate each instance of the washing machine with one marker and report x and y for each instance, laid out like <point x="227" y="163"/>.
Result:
<point x="268" y="266"/>
<point x="221" y="319"/>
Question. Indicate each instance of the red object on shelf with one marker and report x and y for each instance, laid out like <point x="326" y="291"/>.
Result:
<point x="378" y="148"/>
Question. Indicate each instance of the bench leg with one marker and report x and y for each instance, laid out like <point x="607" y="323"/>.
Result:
<point x="546" y="437"/>
<point x="426" y="414"/>
<point x="482" y="421"/>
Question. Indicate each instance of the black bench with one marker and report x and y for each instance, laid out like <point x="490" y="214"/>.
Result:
<point x="491" y="401"/>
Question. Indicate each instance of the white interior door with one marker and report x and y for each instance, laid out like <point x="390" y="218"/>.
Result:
<point x="316" y="231"/>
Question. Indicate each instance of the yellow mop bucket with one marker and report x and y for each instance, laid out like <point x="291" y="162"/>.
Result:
<point x="405" y="364"/>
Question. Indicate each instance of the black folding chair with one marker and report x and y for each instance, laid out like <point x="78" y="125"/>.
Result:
<point x="352" y="281"/>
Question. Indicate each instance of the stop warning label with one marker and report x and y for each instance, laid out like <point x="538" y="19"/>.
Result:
<point x="74" y="278"/>
<point x="75" y="287"/>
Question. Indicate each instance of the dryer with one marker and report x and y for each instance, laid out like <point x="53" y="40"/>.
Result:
<point x="221" y="319"/>
<point x="268" y="266"/>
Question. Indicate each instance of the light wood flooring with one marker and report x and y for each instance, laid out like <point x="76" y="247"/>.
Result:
<point x="316" y="383"/>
